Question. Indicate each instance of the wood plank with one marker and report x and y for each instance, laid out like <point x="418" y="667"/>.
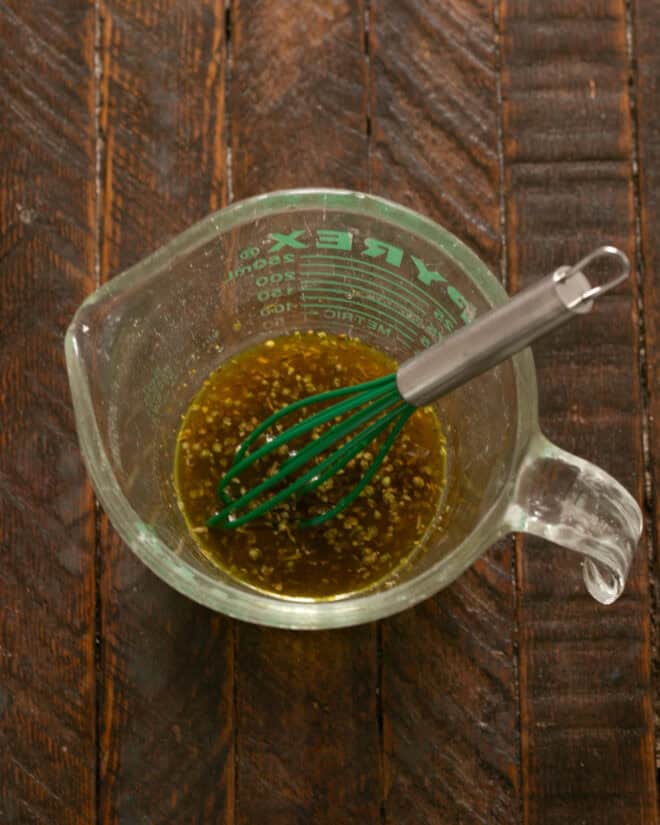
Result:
<point x="307" y="737"/>
<point x="647" y="52"/>
<point x="567" y="141"/>
<point x="434" y="114"/>
<point x="167" y="709"/>
<point x="298" y="95"/>
<point x="307" y="734"/>
<point x="449" y="691"/>
<point x="47" y="244"/>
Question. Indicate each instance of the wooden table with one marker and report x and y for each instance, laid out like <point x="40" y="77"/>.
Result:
<point x="530" y="129"/>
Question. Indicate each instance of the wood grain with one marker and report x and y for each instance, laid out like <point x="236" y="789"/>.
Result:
<point x="298" y="107"/>
<point x="47" y="244"/>
<point x="449" y="692"/>
<point x="307" y="731"/>
<point x="584" y="669"/>
<point x="307" y="727"/>
<point x="434" y="114"/>
<point x="175" y="714"/>
<point x="646" y="17"/>
<point x="166" y="727"/>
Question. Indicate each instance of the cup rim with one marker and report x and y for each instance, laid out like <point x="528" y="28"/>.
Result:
<point x="257" y="607"/>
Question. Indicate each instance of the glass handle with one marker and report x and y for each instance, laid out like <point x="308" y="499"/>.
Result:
<point x="571" y="502"/>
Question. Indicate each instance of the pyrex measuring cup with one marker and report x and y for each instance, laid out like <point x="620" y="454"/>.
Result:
<point x="139" y="348"/>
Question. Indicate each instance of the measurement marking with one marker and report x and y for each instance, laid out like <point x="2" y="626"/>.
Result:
<point x="349" y="302"/>
<point x="422" y="313"/>
<point x="392" y="281"/>
<point x="412" y="316"/>
<point x="401" y="332"/>
<point x="347" y="269"/>
<point x="417" y="308"/>
<point x="353" y="281"/>
<point x="338" y="290"/>
<point x="421" y="294"/>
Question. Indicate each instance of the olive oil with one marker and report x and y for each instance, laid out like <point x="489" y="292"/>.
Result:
<point x="359" y="547"/>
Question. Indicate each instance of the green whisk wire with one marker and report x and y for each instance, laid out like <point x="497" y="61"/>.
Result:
<point x="319" y="398"/>
<point x="378" y="399"/>
<point x="348" y="499"/>
<point x="226" y="517"/>
<point x="316" y="447"/>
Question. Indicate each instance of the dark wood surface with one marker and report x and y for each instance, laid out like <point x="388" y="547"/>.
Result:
<point x="531" y="130"/>
<point x="579" y="666"/>
<point x="48" y="243"/>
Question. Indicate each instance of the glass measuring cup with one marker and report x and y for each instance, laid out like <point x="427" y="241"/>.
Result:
<point x="139" y="348"/>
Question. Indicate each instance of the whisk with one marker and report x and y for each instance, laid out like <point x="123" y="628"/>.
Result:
<point x="364" y="412"/>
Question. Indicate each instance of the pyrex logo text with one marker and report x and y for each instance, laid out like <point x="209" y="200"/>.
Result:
<point x="342" y="241"/>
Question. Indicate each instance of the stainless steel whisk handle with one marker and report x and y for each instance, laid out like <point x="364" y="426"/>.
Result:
<point x="505" y="330"/>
